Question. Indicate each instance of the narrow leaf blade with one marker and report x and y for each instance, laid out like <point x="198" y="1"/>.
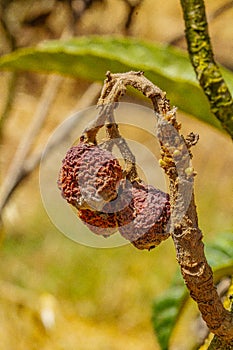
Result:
<point x="90" y="58"/>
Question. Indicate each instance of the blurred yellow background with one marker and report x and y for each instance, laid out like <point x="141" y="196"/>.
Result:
<point x="55" y="293"/>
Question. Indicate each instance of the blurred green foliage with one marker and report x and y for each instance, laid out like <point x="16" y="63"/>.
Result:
<point x="171" y="306"/>
<point x="91" y="57"/>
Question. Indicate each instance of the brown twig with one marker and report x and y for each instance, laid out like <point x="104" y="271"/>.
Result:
<point x="12" y="80"/>
<point x="132" y="8"/>
<point x="17" y="170"/>
<point x="88" y="98"/>
<point x="29" y="164"/>
<point x="11" y="89"/>
<point x="115" y="87"/>
<point x="176" y="156"/>
<point x="25" y="145"/>
<point x="220" y="10"/>
<point x="79" y="8"/>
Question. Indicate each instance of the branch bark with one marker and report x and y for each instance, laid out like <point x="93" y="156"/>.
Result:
<point x="213" y="16"/>
<point x="202" y="59"/>
<point x="186" y="234"/>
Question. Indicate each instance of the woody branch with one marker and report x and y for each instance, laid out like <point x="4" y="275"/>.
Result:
<point x="186" y="234"/>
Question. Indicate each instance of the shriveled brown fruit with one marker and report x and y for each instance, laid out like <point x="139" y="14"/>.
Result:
<point x="91" y="179"/>
<point x="89" y="176"/>
<point x="144" y="221"/>
<point x="140" y="213"/>
<point x="102" y="224"/>
<point x="105" y="222"/>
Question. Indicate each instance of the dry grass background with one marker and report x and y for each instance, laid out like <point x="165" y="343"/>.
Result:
<point x="96" y="298"/>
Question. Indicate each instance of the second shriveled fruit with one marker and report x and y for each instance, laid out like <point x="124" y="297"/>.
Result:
<point x="144" y="221"/>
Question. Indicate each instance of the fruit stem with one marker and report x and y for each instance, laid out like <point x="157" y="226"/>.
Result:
<point x="176" y="158"/>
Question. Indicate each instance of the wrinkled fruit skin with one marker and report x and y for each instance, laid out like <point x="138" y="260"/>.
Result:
<point x="140" y="213"/>
<point x="144" y="221"/>
<point x="89" y="176"/>
<point x="101" y="223"/>
<point x="105" y="222"/>
<point x="91" y="180"/>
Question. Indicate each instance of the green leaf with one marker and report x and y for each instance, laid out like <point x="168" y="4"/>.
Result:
<point x="220" y="255"/>
<point x="169" y="308"/>
<point x="91" y="57"/>
<point x="166" y="311"/>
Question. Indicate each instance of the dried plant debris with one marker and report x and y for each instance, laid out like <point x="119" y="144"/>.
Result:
<point x="101" y="223"/>
<point x="109" y="197"/>
<point x="105" y="222"/>
<point x="141" y="214"/>
<point x="89" y="176"/>
<point x="91" y="180"/>
<point x="144" y="221"/>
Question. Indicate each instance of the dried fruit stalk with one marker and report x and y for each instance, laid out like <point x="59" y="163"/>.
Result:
<point x="176" y="154"/>
<point x="107" y="198"/>
<point x="186" y="234"/>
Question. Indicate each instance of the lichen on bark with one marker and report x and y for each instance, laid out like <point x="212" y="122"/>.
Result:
<point x="202" y="58"/>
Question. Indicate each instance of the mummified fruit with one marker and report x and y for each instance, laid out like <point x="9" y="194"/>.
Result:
<point x="101" y="223"/>
<point x="105" y="222"/>
<point x="91" y="179"/>
<point x="144" y="221"/>
<point x="89" y="176"/>
<point x="140" y="213"/>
